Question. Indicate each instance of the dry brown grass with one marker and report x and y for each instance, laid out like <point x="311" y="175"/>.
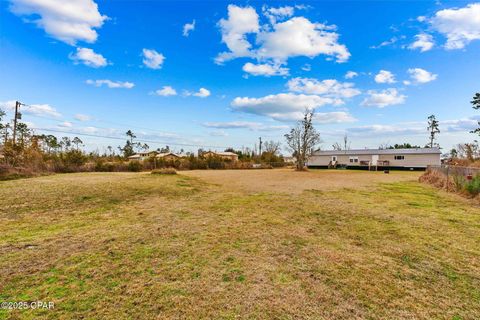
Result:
<point x="291" y="181"/>
<point x="143" y="246"/>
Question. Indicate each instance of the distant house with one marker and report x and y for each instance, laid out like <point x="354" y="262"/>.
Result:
<point x="411" y="159"/>
<point x="224" y="155"/>
<point x="291" y="160"/>
<point x="143" y="155"/>
<point x="168" y="156"/>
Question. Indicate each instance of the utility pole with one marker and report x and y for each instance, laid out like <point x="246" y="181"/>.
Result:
<point x="260" y="146"/>
<point x="17" y="105"/>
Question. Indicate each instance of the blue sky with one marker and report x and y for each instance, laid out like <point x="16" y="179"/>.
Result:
<point x="215" y="74"/>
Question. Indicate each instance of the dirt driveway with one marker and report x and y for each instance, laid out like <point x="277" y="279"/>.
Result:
<point x="290" y="181"/>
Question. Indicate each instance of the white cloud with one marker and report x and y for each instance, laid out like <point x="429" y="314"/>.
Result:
<point x="300" y="37"/>
<point x="265" y="69"/>
<point x="423" y="41"/>
<point x="88" y="57"/>
<point x="351" y="75"/>
<point x="67" y="21"/>
<point x="218" y="133"/>
<point x="376" y="130"/>
<point x="188" y="27"/>
<point x="35" y="109"/>
<point x="333" y="117"/>
<point x="152" y="59"/>
<point x="240" y="22"/>
<point x="280" y="13"/>
<point x="276" y="42"/>
<point x="329" y="87"/>
<point x="414" y="127"/>
<point x="459" y="26"/>
<point x="82" y="117"/>
<point x="282" y="106"/>
<point x="202" y="93"/>
<point x="419" y="75"/>
<point x="166" y="91"/>
<point x="111" y="84"/>
<point x="254" y="126"/>
<point x="66" y="124"/>
<point x="383" y="98"/>
<point x="386" y="43"/>
<point x="307" y="67"/>
<point x="384" y="76"/>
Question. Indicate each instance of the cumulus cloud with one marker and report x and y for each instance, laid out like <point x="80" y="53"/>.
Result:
<point x="201" y="93"/>
<point x="265" y="69"/>
<point x="67" y="21"/>
<point x="35" y="109"/>
<point x="329" y="87"/>
<point x="384" y="76"/>
<point x="82" y="117"/>
<point x="300" y="37"/>
<point x="88" y="57"/>
<point x="420" y="76"/>
<point x="234" y="29"/>
<point x="282" y="106"/>
<point x="280" y="13"/>
<point x="460" y="26"/>
<point x="351" y="75"/>
<point x="187" y="28"/>
<point x="166" y="91"/>
<point x="111" y="84"/>
<point x="152" y="59"/>
<point x="383" y="98"/>
<point x="254" y="126"/>
<point x="276" y="41"/>
<point x="423" y="42"/>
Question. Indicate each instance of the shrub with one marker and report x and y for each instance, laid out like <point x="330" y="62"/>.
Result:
<point x="164" y="171"/>
<point x="134" y="166"/>
<point x="473" y="186"/>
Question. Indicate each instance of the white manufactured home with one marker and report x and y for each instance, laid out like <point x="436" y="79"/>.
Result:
<point x="409" y="159"/>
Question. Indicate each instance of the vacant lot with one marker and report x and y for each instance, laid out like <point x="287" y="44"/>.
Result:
<point x="256" y="244"/>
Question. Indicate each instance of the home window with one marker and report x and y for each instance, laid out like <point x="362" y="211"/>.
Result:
<point x="353" y="159"/>
<point x="399" y="157"/>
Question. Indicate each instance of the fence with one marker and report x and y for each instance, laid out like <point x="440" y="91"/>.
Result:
<point x="455" y="171"/>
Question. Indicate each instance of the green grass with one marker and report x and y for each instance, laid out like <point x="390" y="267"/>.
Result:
<point x="142" y="246"/>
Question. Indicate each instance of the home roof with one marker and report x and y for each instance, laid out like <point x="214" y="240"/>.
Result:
<point x="377" y="151"/>
<point x="223" y="153"/>
<point x="164" y="154"/>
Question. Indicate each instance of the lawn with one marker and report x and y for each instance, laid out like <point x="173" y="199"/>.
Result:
<point x="258" y="244"/>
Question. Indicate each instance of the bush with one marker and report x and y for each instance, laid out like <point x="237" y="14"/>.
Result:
<point x="134" y="166"/>
<point x="164" y="171"/>
<point x="473" y="186"/>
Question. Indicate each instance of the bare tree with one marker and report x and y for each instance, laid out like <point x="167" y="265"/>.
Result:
<point x="271" y="146"/>
<point x="303" y="138"/>
<point x="336" y="146"/>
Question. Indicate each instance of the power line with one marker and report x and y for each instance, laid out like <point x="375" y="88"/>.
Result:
<point x="139" y="140"/>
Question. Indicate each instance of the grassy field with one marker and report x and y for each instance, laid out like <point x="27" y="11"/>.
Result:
<point x="258" y="244"/>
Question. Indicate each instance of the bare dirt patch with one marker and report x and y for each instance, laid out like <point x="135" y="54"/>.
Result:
<point x="290" y="181"/>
